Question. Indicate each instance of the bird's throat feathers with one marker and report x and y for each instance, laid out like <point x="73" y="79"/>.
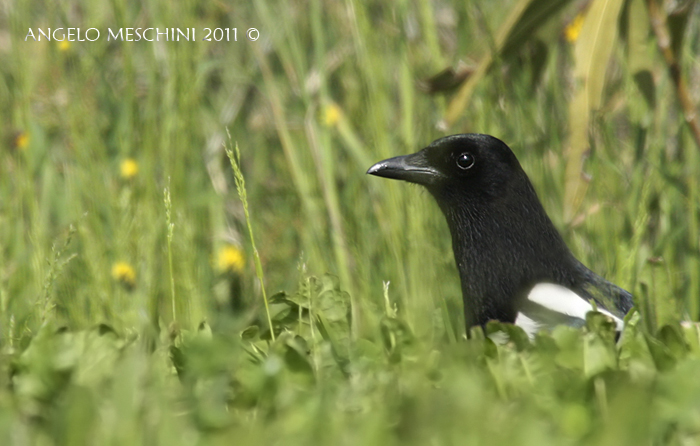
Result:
<point x="501" y="242"/>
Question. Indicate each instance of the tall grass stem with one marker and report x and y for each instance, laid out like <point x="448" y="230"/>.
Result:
<point x="235" y="159"/>
<point x="170" y="226"/>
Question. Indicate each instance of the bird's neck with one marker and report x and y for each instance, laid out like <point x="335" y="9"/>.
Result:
<point x="501" y="247"/>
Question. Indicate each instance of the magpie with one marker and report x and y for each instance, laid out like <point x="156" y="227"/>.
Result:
<point x="513" y="264"/>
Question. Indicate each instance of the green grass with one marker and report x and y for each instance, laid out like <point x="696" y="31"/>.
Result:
<point x="120" y="325"/>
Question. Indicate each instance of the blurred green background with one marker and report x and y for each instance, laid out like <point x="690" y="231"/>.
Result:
<point x="112" y="331"/>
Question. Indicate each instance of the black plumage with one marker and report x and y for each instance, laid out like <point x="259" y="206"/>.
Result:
<point x="504" y="243"/>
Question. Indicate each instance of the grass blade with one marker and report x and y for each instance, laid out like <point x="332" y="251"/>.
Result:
<point x="235" y="159"/>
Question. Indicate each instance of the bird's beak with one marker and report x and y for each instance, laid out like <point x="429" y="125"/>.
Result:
<point x="413" y="168"/>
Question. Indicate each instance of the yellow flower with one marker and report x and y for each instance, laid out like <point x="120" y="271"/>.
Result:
<point x="64" y="45"/>
<point x="573" y="29"/>
<point x="129" y="168"/>
<point x="124" y="273"/>
<point x="230" y="259"/>
<point x="331" y="115"/>
<point x="21" y="140"/>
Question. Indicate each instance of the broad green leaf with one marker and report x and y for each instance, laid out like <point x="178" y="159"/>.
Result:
<point x="250" y="333"/>
<point x="339" y="349"/>
<point x="640" y="52"/>
<point x="536" y="15"/>
<point x="279" y="297"/>
<point x="525" y="17"/>
<point x="634" y="353"/>
<point x="598" y="354"/>
<point x="576" y="181"/>
<point x="592" y="53"/>
<point x="674" y="340"/>
<point x="594" y="47"/>
<point x="663" y="357"/>
<point x="601" y="325"/>
<point x="296" y="355"/>
<point x="570" y="347"/>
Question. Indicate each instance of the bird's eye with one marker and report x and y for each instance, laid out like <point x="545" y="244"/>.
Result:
<point x="465" y="161"/>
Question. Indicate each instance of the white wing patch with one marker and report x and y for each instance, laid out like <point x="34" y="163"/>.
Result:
<point x="529" y="325"/>
<point x="561" y="300"/>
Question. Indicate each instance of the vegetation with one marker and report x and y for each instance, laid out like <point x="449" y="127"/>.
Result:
<point x="132" y="299"/>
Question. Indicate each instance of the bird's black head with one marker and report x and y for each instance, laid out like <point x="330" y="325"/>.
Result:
<point x="470" y="166"/>
<point x="504" y="243"/>
<point x="502" y="238"/>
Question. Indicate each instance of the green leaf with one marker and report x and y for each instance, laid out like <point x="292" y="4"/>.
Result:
<point x="179" y="361"/>
<point x="279" y="297"/>
<point x="592" y="54"/>
<point x="250" y="333"/>
<point x="640" y="52"/>
<point x="598" y="354"/>
<point x="338" y="350"/>
<point x="663" y="357"/>
<point x="296" y="356"/>
<point x="593" y="49"/>
<point x="396" y="336"/>
<point x="525" y="18"/>
<point x="601" y="325"/>
<point x="570" y="347"/>
<point x="535" y="16"/>
<point x="674" y="340"/>
<point x="634" y="353"/>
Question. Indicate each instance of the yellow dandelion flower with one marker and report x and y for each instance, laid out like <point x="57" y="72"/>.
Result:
<point x="21" y="140"/>
<point x="124" y="273"/>
<point x="64" y="45"/>
<point x="573" y="29"/>
<point x="129" y="168"/>
<point x="331" y="115"/>
<point x="230" y="259"/>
